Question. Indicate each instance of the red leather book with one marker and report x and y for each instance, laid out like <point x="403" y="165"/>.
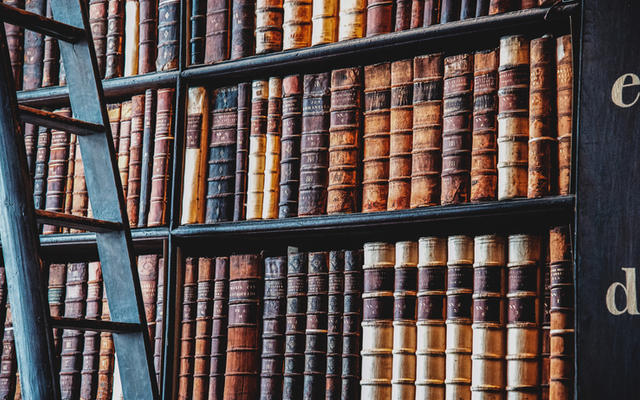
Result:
<point x="379" y="17"/>
<point x="33" y="49"/>
<point x="204" y="303"/>
<point x="57" y="174"/>
<point x="98" y="21"/>
<point x="148" y="274"/>
<point x="163" y="143"/>
<point x="147" y="36"/>
<point x="15" y="43"/>
<point x="91" y="348"/>
<point x="216" y="43"/>
<point x="115" y="39"/>
<point x="135" y="158"/>
<point x="188" y="325"/>
<point x="295" y="326"/>
<point x="55" y="295"/>
<point x="51" y="58"/>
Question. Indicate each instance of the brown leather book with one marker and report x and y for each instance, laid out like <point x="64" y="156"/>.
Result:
<point x="352" y="19"/>
<point x="269" y="15"/>
<point x="146" y="166"/>
<point x="242" y="151"/>
<point x="296" y="25"/>
<point x="324" y="22"/>
<point x="379" y="17"/>
<point x="68" y="186"/>
<point x="242" y="369"/>
<point x="426" y="153"/>
<point x="148" y="274"/>
<point x="123" y="144"/>
<point x="15" y="43"/>
<point x="417" y="13"/>
<point x="242" y="28"/>
<point x="257" y="147"/>
<point x="57" y="174"/>
<point x="529" y="3"/>
<point x="377" y="103"/>
<point x="352" y="316"/>
<point x="273" y="327"/>
<point x="187" y="328"/>
<point x="55" y="296"/>
<point x="114" y="113"/>
<point x="344" y="140"/>
<point x="513" y="117"/>
<point x="40" y="169"/>
<point x="51" y="58"/>
<point x="272" y="150"/>
<point x="80" y="202"/>
<point x="450" y="11"/>
<point x="335" y="301"/>
<point x="91" y="347"/>
<point x="33" y="49"/>
<point x="295" y="326"/>
<point x="403" y="15"/>
<point x="107" y="359"/>
<point x="484" y="146"/>
<point x="204" y="300"/>
<point x="564" y="79"/>
<point x="8" y="363"/>
<point x="401" y="135"/>
<point x="545" y="333"/>
<point x="314" y="146"/>
<point x="216" y="42"/>
<point x="456" y="129"/>
<point x="431" y="15"/>
<point x="159" y="328"/>
<point x="131" y="37"/>
<point x="161" y="158"/>
<point x="502" y="6"/>
<point x="219" y="320"/>
<point x="30" y="145"/>
<point x="147" y="36"/>
<point x="115" y="39"/>
<point x="290" y="146"/>
<point x="197" y="27"/>
<point x="98" y="11"/>
<point x="135" y="158"/>
<point x="168" y="32"/>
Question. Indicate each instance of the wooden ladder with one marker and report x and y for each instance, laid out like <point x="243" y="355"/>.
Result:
<point x="18" y="218"/>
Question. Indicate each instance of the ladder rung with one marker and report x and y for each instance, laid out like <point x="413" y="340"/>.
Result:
<point x="57" y="121"/>
<point x="40" y="24"/>
<point x="76" y="222"/>
<point x="94" y="325"/>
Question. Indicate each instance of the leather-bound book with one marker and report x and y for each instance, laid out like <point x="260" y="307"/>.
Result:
<point x="271" y="188"/>
<point x="459" y="332"/>
<point x="273" y="327"/>
<point x="489" y="289"/>
<point x="564" y="80"/>
<point x="195" y="160"/>
<point x="257" y="147"/>
<point x="324" y="22"/>
<point x="377" y="103"/>
<point x="242" y="369"/>
<point x="426" y="152"/>
<point x="115" y="39"/>
<point x="216" y="43"/>
<point x="242" y="151"/>
<point x="314" y="154"/>
<point x="107" y="359"/>
<point x="290" y="146"/>
<point x="168" y="32"/>
<point x="377" y="320"/>
<point x="484" y="146"/>
<point x="296" y="25"/>
<point x="72" y="340"/>
<point x="55" y="296"/>
<point x="41" y="169"/>
<point x="523" y="317"/>
<point x="98" y="11"/>
<point x="403" y="15"/>
<point x="417" y="14"/>
<point x="204" y="300"/>
<point x="401" y="135"/>
<point x="57" y="174"/>
<point x="146" y="167"/>
<point x="351" y="320"/>
<point x="513" y="117"/>
<point x="114" y="112"/>
<point x="123" y="145"/>
<point x="148" y="273"/>
<point x="187" y="328"/>
<point x="30" y="145"/>
<point x="80" y="202"/>
<point x="468" y="9"/>
<point x="68" y="187"/>
<point x="8" y="363"/>
<point x="51" y="58"/>
<point x="197" y="26"/>
<point x="315" y="351"/>
<point x="543" y="142"/>
<point x="222" y="154"/>
<point x="450" y="11"/>
<point x="335" y="301"/>
<point x="529" y="4"/>
<point x="344" y="140"/>
<point x="545" y="333"/>
<point x="91" y="348"/>
<point x="295" y="326"/>
<point x="242" y="28"/>
<point x="502" y="6"/>
<point x="352" y="19"/>
<point x="379" y="17"/>
<point x="131" y="37"/>
<point x="148" y="36"/>
<point x="135" y="158"/>
<point x="163" y="143"/>
<point x="269" y="15"/>
<point x="404" y="321"/>
<point x="431" y="343"/>
<point x="15" y="43"/>
<point x="33" y="49"/>
<point x="431" y="14"/>
<point x="456" y="129"/>
<point x="561" y="314"/>
<point x="159" y="324"/>
<point x="482" y="8"/>
<point x="219" y="319"/>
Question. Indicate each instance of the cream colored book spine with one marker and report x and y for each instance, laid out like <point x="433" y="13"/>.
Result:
<point x="272" y="152"/>
<point x="296" y="26"/>
<point x="131" y="37"/>
<point x="324" y="27"/>
<point x="352" y="19"/>
<point x="257" y="148"/>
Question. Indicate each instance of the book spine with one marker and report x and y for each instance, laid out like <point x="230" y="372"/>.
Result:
<point x="404" y="321"/>
<point x="431" y="12"/>
<point x="269" y="15"/>
<point x="417" y="14"/>
<point x="484" y="146"/>
<point x="545" y="312"/>
<point x="198" y="26"/>
<point x="564" y="79"/>
<point x="450" y="11"/>
<point x="295" y="326"/>
<point x="352" y="20"/>
<point x="202" y="355"/>
<point x="488" y="358"/>
<point x="216" y="46"/>
<point x="468" y="9"/>
<point x="146" y="171"/>
<point x="80" y="202"/>
<point x="135" y="158"/>
<point x="242" y="151"/>
<point x="161" y="158"/>
<point x="123" y="145"/>
<point x="222" y="153"/>
<point x="401" y="135"/>
<point x="168" y="15"/>
<point x="8" y="363"/>
<point x="57" y="174"/>
<point x="55" y="296"/>
<point x="513" y="117"/>
<point x="41" y="169"/>
<point x="98" y="11"/>
<point x="324" y="22"/>
<point x="107" y="359"/>
<point x="115" y="39"/>
<point x="351" y="320"/>
<point x="273" y="327"/>
<point x="71" y="168"/>
<point x="219" y="319"/>
<point x="501" y="6"/>
<point x="456" y="130"/>
<point x="147" y="36"/>
<point x="377" y="103"/>
<point x="159" y="334"/>
<point x="290" y="146"/>
<point x="257" y="148"/>
<point x="30" y="145"/>
<point x="426" y="152"/>
<point x="131" y="37"/>
<point x="242" y="28"/>
<point x="482" y="8"/>
<point x="114" y="113"/>
<point x="148" y="273"/>
<point x="33" y="49"/>
<point x="187" y="330"/>
<point x="15" y="44"/>
<point x="272" y="150"/>
<point x="193" y="180"/>
<point x="529" y="4"/>
<point x="379" y="17"/>
<point x="242" y="369"/>
<point x="296" y="26"/>
<point x="91" y="348"/>
<point x="403" y="14"/>
<point x="377" y="321"/>
<point x="314" y="147"/>
<point x="51" y="58"/>
<point x="344" y="139"/>
<point x="335" y="310"/>
<point x="523" y="317"/>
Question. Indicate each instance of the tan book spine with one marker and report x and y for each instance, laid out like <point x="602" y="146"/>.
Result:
<point x="352" y="19"/>
<point x="131" y="37"/>
<point x="272" y="150"/>
<point x="113" y="112"/>
<point x="297" y="24"/>
<point x="195" y="157"/>
<point x="324" y="22"/>
<point x="269" y="16"/>
<point x="257" y="148"/>
<point x="123" y="145"/>
<point x="71" y="172"/>
<point x="564" y="78"/>
<point x="106" y="361"/>
<point x="80" y="201"/>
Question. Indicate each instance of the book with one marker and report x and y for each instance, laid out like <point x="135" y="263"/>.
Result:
<point x="222" y="154"/>
<point x="426" y="152"/>
<point x="33" y="49"/>
<point x="529" y="3"/>
<point x="114" y="66"/>
<point x="482" y="8"/>
<point x="513" y="117"/>
<point x="290" y="146"/>
<point x="402" y="15"/>
<point x="114" y="112"/>
<point x="379" y="17"/>
<point x="242" y="151"/>
<point x="197" y="26"/>
<point x="344" y="140"/>
<point x="55" y="296"/>
<point x="417" y="14"/>
<point x="242" y="28"/>
<point x="204" y="304"/>
<point x="431" y="12"/>
<point x="50" y="58"/>
<point x="131" y="37"/>
<point x="167" y="54"/>
<point x="314" y="146"/>
<point x="295" y="326"/>
<point x="501" y="6"/>
<point x="377" y="320"/>
<point x="352" y="19"/>
<point x="8" y="363"/>
<point x="377" y="102"/>
<point x="147" y="36"/>
<point x="351" y="320"/>
<point x="404" y="321"/>
<point x="324" y="22"/>
<point x="107" y="359"/>
<point x="123" y="144"/>
<point x="91" y="346"/>
<point x="484" y="146"/>
<point x="57" y="173"/>
<point x="269" y="15"/>
<point x="564" y="79"/>
<point x="545" y="312"/>
<point x="456" y="129"/>
<point x="242" y="369"/>
<point x="335" y="308"/>
<point x="146" y="166"/>
<point x="148" y="275"/>
<point x="135" y="158"/>
<point x="296" y="25"/>
<point x="400" y="135"/>
<point x="41" y="169"/>
<point x="271" y="188"/>
<point x="216" y="44"/>
<point x="30" y="133"/>
<point x="187" y="328"/>
<point x="68" y="186"/>
<point x="163" y="143"/>
<point x="450" y="11"/>
<point x="15" y="44"/>
<point x="80" y="202"/>
<point x="257" y="148"/>
<point x="219" y="318"/>
<point x="468" y="9"/>
<point x="159" y="328"/>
